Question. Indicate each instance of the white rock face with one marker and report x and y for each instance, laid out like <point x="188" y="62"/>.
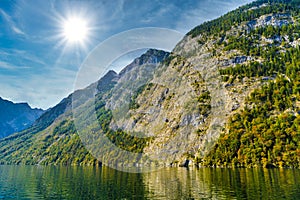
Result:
<point x="274" y="20"/>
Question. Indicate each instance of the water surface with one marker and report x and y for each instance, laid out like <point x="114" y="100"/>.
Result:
<point x="52" y="182"/>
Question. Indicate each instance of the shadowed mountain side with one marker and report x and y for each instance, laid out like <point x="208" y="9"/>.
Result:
<point x="16" y="117"/>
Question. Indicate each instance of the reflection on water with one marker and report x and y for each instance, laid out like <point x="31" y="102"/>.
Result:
<point x="209" y="183"/>
<point x="35" y="182"/>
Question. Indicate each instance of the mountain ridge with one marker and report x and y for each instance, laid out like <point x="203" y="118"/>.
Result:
<point x="16" y="116"/>
<point x="47" y="128"/>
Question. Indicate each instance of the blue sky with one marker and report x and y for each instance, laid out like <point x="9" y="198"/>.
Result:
<point x="38" y="67"/>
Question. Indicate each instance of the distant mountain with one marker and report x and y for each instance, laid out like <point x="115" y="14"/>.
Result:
<point x="15" y="117"/>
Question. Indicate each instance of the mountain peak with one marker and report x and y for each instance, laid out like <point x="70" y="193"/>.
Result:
<point x="109" y="79"/>
<point x="110" y="74"/>
<point x="151" y="56"/>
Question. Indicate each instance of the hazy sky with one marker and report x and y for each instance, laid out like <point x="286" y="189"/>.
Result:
<point x="38" y="66"/>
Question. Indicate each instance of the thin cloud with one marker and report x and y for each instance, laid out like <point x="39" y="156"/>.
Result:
<point x="8" y="66"/>
<point x="27" y="56"/>
<point x="38" y="90"/>
<point x="5" y="65"/>
<point x="11" y="23"/>
<point x="20" y="56"/>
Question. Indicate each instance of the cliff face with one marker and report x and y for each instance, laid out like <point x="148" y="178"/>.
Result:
<point x="172" y="107"/>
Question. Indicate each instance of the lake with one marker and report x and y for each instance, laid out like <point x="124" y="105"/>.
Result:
<point x="54" y="182"/>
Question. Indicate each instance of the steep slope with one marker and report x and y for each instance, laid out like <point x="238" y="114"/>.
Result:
<point x="157" y="116"/>
<point x="16" y="117"/>
<point x="53" y="138"/>
<point x="257" y="56"/>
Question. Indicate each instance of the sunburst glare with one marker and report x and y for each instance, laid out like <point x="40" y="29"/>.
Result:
<point x="75" y="30"/>
<point x="74" y="34"/>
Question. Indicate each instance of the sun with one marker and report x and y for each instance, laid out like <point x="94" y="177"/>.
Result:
<point x="75" y="30"/>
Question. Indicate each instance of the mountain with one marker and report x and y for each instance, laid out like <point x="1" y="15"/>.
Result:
<point x="55" y="129"/>
<point x="15" y="117"/>
<point x="256" y="52"/>
<point x="228" y="95"/>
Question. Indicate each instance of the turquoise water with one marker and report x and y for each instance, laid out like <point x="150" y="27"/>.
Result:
<point x="50" y="182"/>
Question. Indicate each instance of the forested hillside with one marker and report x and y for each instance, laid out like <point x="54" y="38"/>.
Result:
<point x="266" y="132"/>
